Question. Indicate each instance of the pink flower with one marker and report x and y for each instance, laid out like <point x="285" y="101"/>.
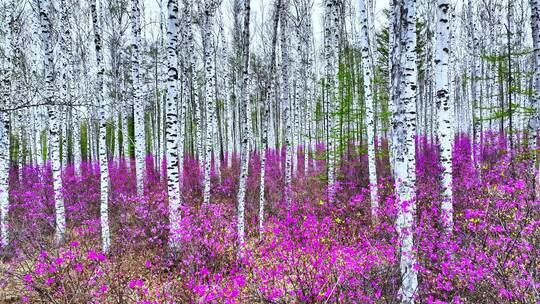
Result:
<point x="92" y="255"/>
<point x="101" y="257"/>
<point x="28" y="278"/>
<point x="104" y="288"/>
<point x="204" y="271"/>
<point x="136" y="283"/>
<point x="79" y="267"/>
<point x="49" y="281"/>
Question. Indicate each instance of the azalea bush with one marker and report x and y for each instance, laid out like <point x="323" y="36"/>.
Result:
<point x="313" y="251"/>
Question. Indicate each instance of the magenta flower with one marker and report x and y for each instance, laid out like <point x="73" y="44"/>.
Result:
<point x="79" y="267"/>
<point x="136" y="283"/>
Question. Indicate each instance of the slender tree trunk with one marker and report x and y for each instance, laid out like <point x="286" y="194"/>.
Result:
<point x="265" y="118"/>
<point x="405" y="162"/>
<point x="187" y="80"/>
<point x="65" y="76"/>
<point x="52" y="110"/>
<point x="285" y="100"/>
<point x="395" y="75"/>
<point x="5" y="123"/>
<point x="244" y="147"/>
<point x="445" y="108"/>
<point x="331" y="54"/>
<point x="102" y="132"/>
<point x="369" y="103"/>
<point x="138" y="102"/>
<point x="210" y="90"/>
<point x="475" y="87"/>
<point x="535" y="121"/>
<point x="172" y="132"/>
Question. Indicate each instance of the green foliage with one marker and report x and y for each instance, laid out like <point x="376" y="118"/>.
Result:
<point x="44" y="147"/>
<point x="84" y="141"/>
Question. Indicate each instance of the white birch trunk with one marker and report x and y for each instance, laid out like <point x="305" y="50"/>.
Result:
<point x="171" y="131"/>
<point x="265" y="117"/>
<point x="52" y="110"/>
<point x="535" y="121"/>
<point x="445" y="105"/>
<point x="331" y="50"/>
<point x="138" y="102"/>
<point x="65" y="77"/>
<point x="102" y="152"/>
<point x="285" y="103"/>
<point x="367" y="65"/>
<point x="187" y="48"/>
<point x="244" y="144"/>
<point x="210" y="90"/>
<point x="405" y="162"/>
<point x="5" y="87"/>
<point x="475" y="88"/>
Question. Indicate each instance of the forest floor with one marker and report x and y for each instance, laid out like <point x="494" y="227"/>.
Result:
<point x="313" y="251"/>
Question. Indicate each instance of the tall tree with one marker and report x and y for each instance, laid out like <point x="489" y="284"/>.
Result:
<point x="5" y="123"/>
<point x="369" y="102"/>
<point x="66" y="77"/>
<point x="138" y="101"/>
<point x="266" y="113"/>
<point x="52" y="110"/>
<point x="405" y="160"/>
<point x="331" y="55"/>
<point x="475" y="86"/>
<point x="244" y="144"/>
<point x="172" y="130"/>
<point x="535" y="121"/>
<point x="285" y="100"/>
<point x="210" y="90"/>
<point x="444" y="106"/>
<point x="102" y="131"/>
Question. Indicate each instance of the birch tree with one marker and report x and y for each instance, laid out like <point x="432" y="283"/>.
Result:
<point x="172" y="130"/>
<point x="210" y="90"/>
<point x="365" y="44"/>
<point x="244" y="144"/>
<point x="405" y="160"/>
<point x="5" y="125"/>
<point x="445" y="107"/>
<point x="475" y="87"/>
<point x="535" y="121"/>
<point x="52" y="110"/>
<point x="187" y="59"/>
<point x="138" y="101"/>
<point x="191" y="89"/>
<point x="266" y="114"/>
<point x="65" y="73"/>
<point x="285" y="102"/>
<point x="102" y="131"/>
<point x="331" y="49"/>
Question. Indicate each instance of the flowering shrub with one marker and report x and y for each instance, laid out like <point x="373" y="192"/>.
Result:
<point x="311" y="252"/>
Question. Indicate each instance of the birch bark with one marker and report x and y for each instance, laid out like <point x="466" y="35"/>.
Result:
<point x="405" y="160"/>
<point x="367" y="68"/>
<point x="102" y="131"/>
<point x="5" y="126"/>
<point x="445" y="107"/>
<point x="54" y="132"/>
<point x="244" y="150"/>
<point x="172" y="131"/>
<point x="138" y="101"/>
